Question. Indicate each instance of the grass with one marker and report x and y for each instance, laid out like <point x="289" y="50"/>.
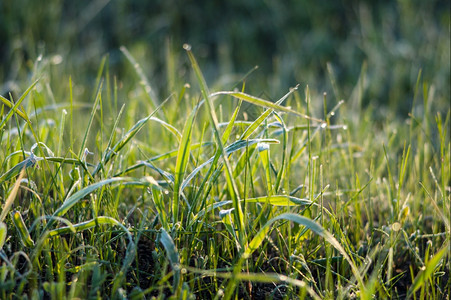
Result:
<point x="188" y="197"/>
<point x="157" y="171"/>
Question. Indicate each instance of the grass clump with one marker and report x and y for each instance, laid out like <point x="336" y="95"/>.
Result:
<point x="188" y="197"/>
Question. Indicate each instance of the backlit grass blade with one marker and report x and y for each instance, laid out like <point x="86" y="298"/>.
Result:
<point x="280" y="200"/>
<point x="11" y="105"/>
<point x="17" y="104"/>
<point x="423" y="276"/>
<point x="249" y="130"/>
<point x="166" y="175"/>
<point x="214" y="160"/>
<point x="3" y="233"/>
<point x="214" y="121"/>
<point x="230" y="124"/>
<point x="173" y="257"/>
<point x="9" y="201"/>
<point x="263" y="151"/>
<point x="22" y="229"/>
<point x="181" y="163"/>
<point x="265" y="103"/>
<point x="310" y="224"/>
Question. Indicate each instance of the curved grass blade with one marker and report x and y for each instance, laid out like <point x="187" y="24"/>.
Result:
<point x="310" y="224"/>
<point x="263" y="151"/>
<point x="163" y="173"/>
<point x="163" y="156"/>
<point x="169" y="127"/>
<point x="281" y="173"/>
<point x="225" y="137"/>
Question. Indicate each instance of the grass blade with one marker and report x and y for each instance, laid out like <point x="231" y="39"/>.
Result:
<point x="76" y="197"/>
<point x="265" y="103"/>
<point x="22" y="229"/>
<point x="214" y="121"/>
<point x="310" y="224"/>
<point x="3" y="233"/>
<point x="280" y="200"/>
<point x="9" y="201"/>
<point x="16" y="105"/>
<point x="181" y="164"/>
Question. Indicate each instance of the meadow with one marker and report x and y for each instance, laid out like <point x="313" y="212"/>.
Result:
<point x="154" y="171"/>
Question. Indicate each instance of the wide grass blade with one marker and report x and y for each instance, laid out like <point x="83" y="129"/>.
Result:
<point x="14" y="171"/>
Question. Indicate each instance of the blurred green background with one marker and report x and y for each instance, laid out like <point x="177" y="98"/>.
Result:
<point x="307" y="42"/>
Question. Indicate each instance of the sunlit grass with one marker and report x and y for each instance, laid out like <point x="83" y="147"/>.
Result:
<point x="187" y="197"/>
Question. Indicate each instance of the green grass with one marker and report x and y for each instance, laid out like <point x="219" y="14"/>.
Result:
<point x="132" y="197"/>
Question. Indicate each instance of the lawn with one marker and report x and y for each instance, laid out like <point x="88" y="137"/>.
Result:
<point x="164" y="164"/>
